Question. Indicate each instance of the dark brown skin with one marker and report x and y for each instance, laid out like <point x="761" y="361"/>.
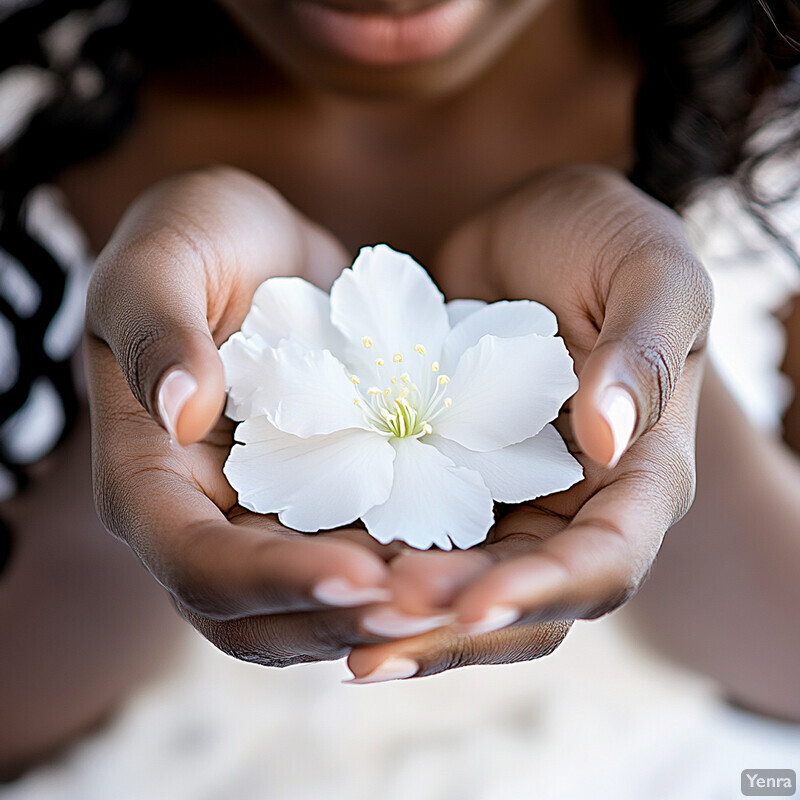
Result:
<point x="353" y="165"/>
<point x="409" y="172"/>
<point x="208" y="238"/>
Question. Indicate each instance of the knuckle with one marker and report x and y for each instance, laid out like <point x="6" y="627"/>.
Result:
<point x="704" y="291"/>
<point x="249" y="640"/>
<point x="683" y="493"/>
<point x="698" y="289"/>
<point x="657" y="375"/>
<point x="460" y="651"/>
<point x="136" y="357"/>
<point x="621" y="575"/>
<point x="112" y="494"/>
<point x="624" y="592"/>
<point x="531" y="642"/>
<point x="197" y="593"/>
<point x="520" y="643"/>
<point x="192" y="593"/>
<point x="524" y="642"/>
<point x="670" y="480"/>
<point x="329" y="638"/>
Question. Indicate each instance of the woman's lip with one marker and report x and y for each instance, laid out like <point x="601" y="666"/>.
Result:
<point x="384" y="39"/>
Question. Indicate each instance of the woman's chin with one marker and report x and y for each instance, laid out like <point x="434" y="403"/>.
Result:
<point x="425" y="53"/>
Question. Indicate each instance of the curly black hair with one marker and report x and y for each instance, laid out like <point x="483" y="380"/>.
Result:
<point x="709" y="66"/>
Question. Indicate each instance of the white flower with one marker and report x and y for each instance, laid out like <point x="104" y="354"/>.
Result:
<point x="380" y="402"/>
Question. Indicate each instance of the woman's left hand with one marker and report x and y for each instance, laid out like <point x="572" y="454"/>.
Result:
<point x="633" y="305"/>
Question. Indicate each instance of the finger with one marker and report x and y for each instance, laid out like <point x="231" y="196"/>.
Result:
<point x="428" y="582"/>
<point x="177" y="278"/>
<point x="358" y="535"/>
<point x="425" y="583"/>
<point x="657" y="313"/>
<point x="225" y="571"/>
<point x="148" y="494"/>
<point x="590" y="568"/>
<point x="549" y="569"/>
<point x="282" y="640"/>
<point x="447" y="649"/>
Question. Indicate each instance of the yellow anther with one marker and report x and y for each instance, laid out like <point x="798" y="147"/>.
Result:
<point x="448" y="401"/>
<point x="373" y="390"/>
<point x="356" y="401"/>
<point x="443" y="380"/>
<point x="379" y="362"/>
<point x="367" y="342"/>
<point x="435" y="366"/>
<point x="426" y="428"/>
<point x="419" y="349"/>
<point x="355" y="379"/>
<point x="394" y="380"/>
<point x="397" y="358"/>
<point x="387" y="392"/>
<point x="405" y="377"/>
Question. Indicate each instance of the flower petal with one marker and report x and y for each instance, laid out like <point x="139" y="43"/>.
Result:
<point x="506" y="390"/>
<point x="312" y="483"/>
<point x="292" y="308"/>
<point x="242" y="360"/>
<point x="506" y="319"/>
<point x="432" y="501"/>
<point x="389" y="302"/>
<point x="305" y="392"/>
<point x="536" y="467"/>
<point x="461" y="308"/>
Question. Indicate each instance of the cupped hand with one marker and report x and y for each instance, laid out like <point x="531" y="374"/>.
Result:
<point x="176" y="280"/>
<point x="633" y="305"/>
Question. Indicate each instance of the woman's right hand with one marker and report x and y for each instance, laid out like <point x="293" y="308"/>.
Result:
<point x="174" y="282"/>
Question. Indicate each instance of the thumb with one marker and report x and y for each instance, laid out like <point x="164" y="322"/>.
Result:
<point x="190" y="394"/>
<point x="656" y="318"/>
<point x="152" y="313"/>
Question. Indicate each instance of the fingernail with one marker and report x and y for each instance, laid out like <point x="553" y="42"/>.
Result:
<point x="619" y="411"/>
<point x="340" y="592"/>
<point x="494" y="619"/>
<point x="396" y="625"/>
<point x="175" y="390"/>
<point x="393" y="669"/>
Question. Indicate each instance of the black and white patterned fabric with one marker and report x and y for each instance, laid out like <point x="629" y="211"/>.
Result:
<point x="59" y="101"/>
<point x="67" y="87"/>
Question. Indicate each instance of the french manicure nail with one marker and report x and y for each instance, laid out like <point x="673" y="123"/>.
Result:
<point x="396" y="625"/>
<point x="494" y="619"/>
<point x="393" y="669"/>
<point x="340" y="592"/>
<point x="619" y="411"/>
<point x="175" y="390"/>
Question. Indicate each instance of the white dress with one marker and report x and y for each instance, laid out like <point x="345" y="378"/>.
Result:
<point x="600" y="718"/>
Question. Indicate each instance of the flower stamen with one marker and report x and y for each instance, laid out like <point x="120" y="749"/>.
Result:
<point x="401" y="409"/>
